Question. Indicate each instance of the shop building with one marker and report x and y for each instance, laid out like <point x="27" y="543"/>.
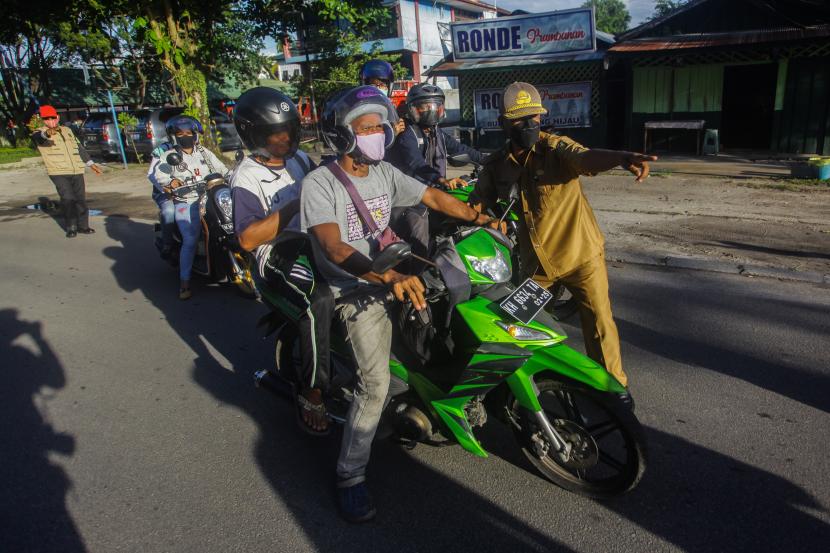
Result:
<point x="757" y="72"/>
<point x="561" y="53"/>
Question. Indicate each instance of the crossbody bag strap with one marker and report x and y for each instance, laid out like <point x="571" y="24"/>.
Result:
<point x="359" y="204"/>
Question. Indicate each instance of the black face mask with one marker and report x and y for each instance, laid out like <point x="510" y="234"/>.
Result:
<point x="186" y="142"/>
<point x="525" y="136"/>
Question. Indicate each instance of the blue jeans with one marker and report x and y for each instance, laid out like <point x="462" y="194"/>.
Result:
<point x="190" y="226"/>
<point x="168" y="217"/>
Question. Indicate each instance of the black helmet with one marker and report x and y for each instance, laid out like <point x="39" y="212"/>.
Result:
<point x="261" y="112"/>
<point x="183" y="123"/>
<point x="380" y="70"/>
<point x="430" y="99"/>
<point x="346" y="106"/>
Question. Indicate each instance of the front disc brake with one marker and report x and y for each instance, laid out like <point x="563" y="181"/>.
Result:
<point x="584" y="451"/>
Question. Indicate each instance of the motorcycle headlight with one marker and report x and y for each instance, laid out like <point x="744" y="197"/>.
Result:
<point x="523" y="333"/>
<point x="495" y="268"/>
<point x="224" y="202"/>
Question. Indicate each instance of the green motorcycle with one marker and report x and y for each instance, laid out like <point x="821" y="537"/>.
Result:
<point x="484" y="349"/>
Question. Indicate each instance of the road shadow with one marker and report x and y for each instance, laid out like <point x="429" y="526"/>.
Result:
<point x="702" y="501"/>
<point x="773" y="251"/>
<point x="33" y="489"/>
<point x="419" y="508"/>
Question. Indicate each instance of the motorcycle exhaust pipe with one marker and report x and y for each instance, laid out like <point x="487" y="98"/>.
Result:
<point x="269" y="381"/>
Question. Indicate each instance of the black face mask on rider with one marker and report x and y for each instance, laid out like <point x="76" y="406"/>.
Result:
<point x="525" y="134"/>
<point x="186" y="142"/>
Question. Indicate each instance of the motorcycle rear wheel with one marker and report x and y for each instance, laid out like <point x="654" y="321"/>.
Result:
<point x="609" y="452"/>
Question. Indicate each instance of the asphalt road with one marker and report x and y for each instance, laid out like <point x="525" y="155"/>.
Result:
<point x="129" y="422"/>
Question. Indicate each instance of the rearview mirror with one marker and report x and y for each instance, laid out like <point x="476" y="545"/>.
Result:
<point x="514" y="192"/>
<point x="240" y="155"/>
<point x="391" y="257"/>
<point x="174" y="159"/>
<point x="459" y="160"/>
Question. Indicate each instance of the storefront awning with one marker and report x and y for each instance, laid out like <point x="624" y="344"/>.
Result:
<point x="447" y="68"/>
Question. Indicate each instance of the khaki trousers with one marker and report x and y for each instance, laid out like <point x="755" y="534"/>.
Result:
<point x="589" y="285"/>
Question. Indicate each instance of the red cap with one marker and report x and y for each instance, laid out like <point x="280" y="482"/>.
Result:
<point x="47" y="111"/>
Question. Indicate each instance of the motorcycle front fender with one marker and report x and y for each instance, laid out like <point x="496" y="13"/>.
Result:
<point x="562" y="363"/>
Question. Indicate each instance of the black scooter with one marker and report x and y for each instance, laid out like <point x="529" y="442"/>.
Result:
<point x="219" y="256"/>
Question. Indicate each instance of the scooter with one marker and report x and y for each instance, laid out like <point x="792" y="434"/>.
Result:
<point x="218" y="254"/>
<point x="484" y="348"/>
<point x="563" y="305"/>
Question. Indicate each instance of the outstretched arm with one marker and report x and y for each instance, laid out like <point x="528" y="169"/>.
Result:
<point x="598" y="161"/>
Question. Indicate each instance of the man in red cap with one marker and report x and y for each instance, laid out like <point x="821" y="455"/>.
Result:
<point x="65" y="159"/>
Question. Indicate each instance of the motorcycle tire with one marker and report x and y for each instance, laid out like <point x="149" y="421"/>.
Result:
<point x="609" y="453"/>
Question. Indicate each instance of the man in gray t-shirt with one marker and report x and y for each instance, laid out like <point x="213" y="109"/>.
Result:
<point x="356" y="124"/>
<point x="325" y="200"/>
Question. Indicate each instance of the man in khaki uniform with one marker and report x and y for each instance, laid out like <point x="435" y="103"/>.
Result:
<point x="65" y="159"/>
<point x="559" y="239"/>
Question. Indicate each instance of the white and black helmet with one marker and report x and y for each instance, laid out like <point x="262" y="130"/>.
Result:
<point x="346" y="106"/>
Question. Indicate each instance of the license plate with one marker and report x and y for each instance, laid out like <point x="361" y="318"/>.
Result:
<point x="136" y="135"/>
<point x="526" y="301"/>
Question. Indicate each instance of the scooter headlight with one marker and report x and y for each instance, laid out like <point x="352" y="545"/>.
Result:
<point x="224" y="202"/>
<point x="523" y="333"/>
<point x="495" y="268"/>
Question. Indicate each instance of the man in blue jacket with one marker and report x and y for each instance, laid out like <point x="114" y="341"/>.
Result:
<point x="422" y="149"/>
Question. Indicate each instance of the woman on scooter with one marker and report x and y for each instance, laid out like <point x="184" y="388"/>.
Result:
<point x="197" y="163"/>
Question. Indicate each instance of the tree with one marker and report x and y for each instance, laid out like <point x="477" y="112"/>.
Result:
<point x="28" y="50"/>
<point x="611" y="15"/>
<point x="663" y="7"/>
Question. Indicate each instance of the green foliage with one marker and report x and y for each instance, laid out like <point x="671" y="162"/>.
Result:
<point x="127" y="121"/>
<point x="663" y="7"/>
<point x="35" y="123"/>
<point x="611" y="15"/>
<point x="12" y="155"/>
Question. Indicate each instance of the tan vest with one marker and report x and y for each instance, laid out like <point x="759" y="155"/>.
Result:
<point x="62" y="157"/>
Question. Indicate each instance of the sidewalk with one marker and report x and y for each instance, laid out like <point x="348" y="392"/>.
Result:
<point x="683" y="216"/>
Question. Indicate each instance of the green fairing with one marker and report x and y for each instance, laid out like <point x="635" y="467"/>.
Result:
<point x="397" y="369"/>
<point x="480" y="244"/>
<point x="559" y="359"/>
<point x="461" y="194"/>
<point x="452" y="414"/>
<point x="481" y="315"/>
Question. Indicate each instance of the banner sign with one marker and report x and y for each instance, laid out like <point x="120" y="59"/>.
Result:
<point x="523" y="36"/>
<point x="568" y="105"/>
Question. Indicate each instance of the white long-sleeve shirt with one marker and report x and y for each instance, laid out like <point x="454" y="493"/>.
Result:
<point x="194" y="168"/>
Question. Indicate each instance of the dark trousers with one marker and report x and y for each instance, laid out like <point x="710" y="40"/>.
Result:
<point x="314" y="305"/>
<point x="411" y="224"/>
<point x="72" y="190"/>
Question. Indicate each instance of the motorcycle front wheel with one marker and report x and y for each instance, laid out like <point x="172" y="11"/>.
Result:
<point x="608" y="449"/>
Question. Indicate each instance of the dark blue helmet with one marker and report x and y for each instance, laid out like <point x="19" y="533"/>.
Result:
<point x="378" y="70"/>
<point x="183" y="123"/>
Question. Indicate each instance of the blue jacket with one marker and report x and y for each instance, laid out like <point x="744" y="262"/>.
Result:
<point x="411" y="153"/>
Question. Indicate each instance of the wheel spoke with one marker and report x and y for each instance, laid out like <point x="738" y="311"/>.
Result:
<point x="566" y="400"/>
<point x="600" y="430"/>
<point x="610" y="461"/>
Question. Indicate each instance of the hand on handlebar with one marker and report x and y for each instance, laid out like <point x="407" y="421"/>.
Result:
<point x="452" y="184"/>
<point x="406" y="287"/>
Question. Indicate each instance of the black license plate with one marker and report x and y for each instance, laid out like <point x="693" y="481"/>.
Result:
<point x="526" y="301"/>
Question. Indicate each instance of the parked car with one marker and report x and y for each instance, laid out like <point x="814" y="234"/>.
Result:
<point x="99" y="136"/>
<point x="150" y="132"/>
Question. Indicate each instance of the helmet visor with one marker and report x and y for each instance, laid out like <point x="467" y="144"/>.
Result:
<point x="184" y="124"/>
<point x="280" y="140"/>
<point x="427" y="112"/>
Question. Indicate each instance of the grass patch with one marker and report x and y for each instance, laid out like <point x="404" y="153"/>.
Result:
<point x="789" y="184"/>
<point x="12" y="155"/>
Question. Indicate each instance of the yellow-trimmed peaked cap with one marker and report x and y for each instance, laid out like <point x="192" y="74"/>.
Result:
<point x="520" y="100"/>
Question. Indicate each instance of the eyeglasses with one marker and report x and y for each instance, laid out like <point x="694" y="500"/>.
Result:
<point x="49" y="118"/>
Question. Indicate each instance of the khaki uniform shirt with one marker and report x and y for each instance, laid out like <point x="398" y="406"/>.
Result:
<point x="558" y="227"/>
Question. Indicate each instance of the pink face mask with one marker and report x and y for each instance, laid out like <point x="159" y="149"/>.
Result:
<point x="373" y="146"/>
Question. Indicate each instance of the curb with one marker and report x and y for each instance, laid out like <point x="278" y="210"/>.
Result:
<point x="710" y="265"/>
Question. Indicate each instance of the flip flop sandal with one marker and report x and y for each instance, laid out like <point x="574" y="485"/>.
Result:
<point x="302" y="404"/>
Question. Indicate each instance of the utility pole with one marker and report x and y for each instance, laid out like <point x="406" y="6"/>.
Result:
<point x="117" y="129"/>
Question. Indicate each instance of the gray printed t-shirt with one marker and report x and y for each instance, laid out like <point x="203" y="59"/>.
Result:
<point x="324" y="199"/>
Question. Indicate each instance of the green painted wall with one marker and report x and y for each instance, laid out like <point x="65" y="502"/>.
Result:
<point x="696" y="88"/>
